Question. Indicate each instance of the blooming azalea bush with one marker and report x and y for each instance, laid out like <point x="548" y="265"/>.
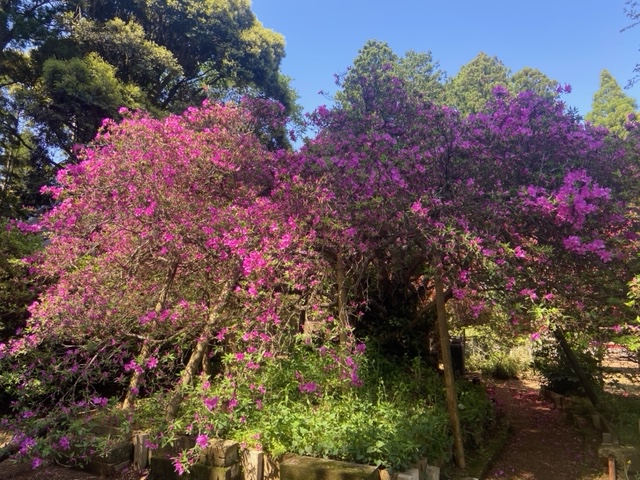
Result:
<point x="521" y="204"/>
<point x="172" y="241"/>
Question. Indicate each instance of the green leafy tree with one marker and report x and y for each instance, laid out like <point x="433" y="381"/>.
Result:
<point x="611" y="107"/>
<point x="26" y="22"/>
<point x="532" y="79"/>
<point x="67" y="65"/>
<point x="471" y="89"/>
<point x="24" y="25"/>
<point x="419" y="72"/>
<point x="422" y="74"/>
<point x="473" y="86"/>
<point x="219" y="44"/>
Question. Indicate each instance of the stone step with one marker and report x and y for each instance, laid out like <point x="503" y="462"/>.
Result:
<point x="295" y="467"/>
<point x="161" y="468"/>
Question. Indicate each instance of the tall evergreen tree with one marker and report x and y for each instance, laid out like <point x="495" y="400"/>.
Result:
<point x="420" y="73"/>
<point x="611" y="107"/>
<point x="532" y="79"/>
<point x="473" y="86"/>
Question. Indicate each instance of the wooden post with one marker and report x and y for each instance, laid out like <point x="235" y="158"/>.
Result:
<point x="343" y="320"/>
<point x="449" y="379"/>
<point x="140" y="451"/>
<point x="612" y="468"/>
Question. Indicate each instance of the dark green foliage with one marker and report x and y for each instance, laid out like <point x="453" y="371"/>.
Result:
<point x="533" y="80"/>
<point x="624" y="411"/>
<point x="419" y="72"/>
<point x="67" y="65"/>
<point x="395" y="418"/>
<point x="551" y="363"/>
<point x="17" y="290"/>
<point x="473" y="86"/>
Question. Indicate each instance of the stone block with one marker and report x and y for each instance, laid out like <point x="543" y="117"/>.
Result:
<point x="111" y="463"/>
<point x="433" y="473"/>
<point x="252" y="463"/>
<point x="421" y="465"/>
<point x="607" y="438"/>
<point x="412" y="473"/>
<point x="221" y="453"/>
<point x="104" y="469"/>
<point x="140" y="451"/>
<point x="161" y="468"/>
<point x="308" y="468"/>
<point x="404" y="476"/>
<point x="271" y="468"/>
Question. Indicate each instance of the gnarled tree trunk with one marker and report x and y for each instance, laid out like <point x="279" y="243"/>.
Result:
<point x="145" y="350"/>
<point x="585" y="382"/>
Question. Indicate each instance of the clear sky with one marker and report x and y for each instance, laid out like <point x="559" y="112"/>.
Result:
<point x="571" y="41"/>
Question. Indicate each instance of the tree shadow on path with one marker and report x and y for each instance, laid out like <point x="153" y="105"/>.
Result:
<point x="542" y="443"/>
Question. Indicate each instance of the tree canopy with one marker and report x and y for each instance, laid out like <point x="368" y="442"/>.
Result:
<point x="611" y="107"/>
<point x="471" y="87"/>
<point x="67" y="65"/>
<point x="420" y="73"/>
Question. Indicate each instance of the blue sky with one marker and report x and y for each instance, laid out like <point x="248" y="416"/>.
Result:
<point x="569" y="40"/>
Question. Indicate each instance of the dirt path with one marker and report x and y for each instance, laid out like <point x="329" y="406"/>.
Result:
<point x="542" y="445"/>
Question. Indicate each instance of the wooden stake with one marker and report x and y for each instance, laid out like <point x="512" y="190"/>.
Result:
<point x="612" y="468"/>
<point x="449" y="379"/>
<point x="342" y="300"/>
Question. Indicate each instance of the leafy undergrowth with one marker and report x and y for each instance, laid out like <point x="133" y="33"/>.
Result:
<point x="361" y="407"/>
<point x="624" y="412"/>
<point x="393" y="416"/>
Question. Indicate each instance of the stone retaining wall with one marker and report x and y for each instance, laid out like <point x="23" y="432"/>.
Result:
<point x="225" y="460"/>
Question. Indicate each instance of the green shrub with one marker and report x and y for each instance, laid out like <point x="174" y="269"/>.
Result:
<point x="395" y="417"/>
<point x="551" y="363"/>
<point x="624" y="412"/>
<point x="17" y="290"/>
<point x="353" y="429"/>
<point x="502" y="366"/>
